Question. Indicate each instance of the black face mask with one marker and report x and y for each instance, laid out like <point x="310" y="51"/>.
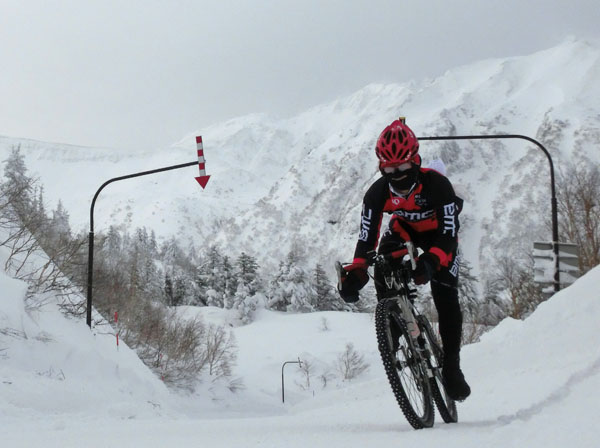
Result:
<point x="402" y="180"/>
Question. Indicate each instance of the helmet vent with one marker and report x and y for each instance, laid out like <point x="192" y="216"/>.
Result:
<point x="396" y="144"/>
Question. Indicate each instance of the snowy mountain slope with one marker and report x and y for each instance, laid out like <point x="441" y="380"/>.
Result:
<point x="301" y="179"/>
<point x="534" y="383"/>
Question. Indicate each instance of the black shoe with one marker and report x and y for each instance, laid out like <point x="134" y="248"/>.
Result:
<point x="454" y="380"/>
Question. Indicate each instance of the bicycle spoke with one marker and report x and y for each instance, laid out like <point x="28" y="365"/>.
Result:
<point x="404" y="365"/>
<point x="410" y="374"/>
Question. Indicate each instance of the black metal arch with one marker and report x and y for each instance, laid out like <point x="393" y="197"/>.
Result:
<point x="552" y="185"/>
<point x="90" y="278"/>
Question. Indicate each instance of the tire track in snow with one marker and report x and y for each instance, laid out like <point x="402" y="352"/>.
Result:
<point x="555" y="397"/>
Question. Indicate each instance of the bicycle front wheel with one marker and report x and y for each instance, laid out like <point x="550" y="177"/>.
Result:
<point x="404" y="366"/>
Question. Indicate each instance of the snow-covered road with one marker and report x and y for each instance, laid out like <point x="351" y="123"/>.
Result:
<point x="536" y="383"/>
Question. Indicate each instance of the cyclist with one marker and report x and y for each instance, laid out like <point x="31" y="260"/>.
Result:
<point x="425" y="210"/>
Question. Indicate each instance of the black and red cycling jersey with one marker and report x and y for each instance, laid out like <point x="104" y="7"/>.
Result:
<point x="428" y="216"/>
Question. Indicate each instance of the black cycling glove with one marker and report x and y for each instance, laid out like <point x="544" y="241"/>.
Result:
<point x="427" y="264"/>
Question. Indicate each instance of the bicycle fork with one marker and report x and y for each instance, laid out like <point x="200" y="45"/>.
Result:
<point x="409" y="318"/>
<point x="418" y="337"/>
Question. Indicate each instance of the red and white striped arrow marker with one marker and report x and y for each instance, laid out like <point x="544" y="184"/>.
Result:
<point x="203" y="178"/>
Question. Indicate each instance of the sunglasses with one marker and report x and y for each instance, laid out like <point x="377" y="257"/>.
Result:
<point x="398" y="169"/>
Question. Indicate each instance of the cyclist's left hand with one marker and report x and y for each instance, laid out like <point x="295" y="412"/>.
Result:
<point x="353" y="278"/>
<point x="427" y="264"/>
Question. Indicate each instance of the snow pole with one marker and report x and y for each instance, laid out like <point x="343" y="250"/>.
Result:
<point x="203" y="178"/>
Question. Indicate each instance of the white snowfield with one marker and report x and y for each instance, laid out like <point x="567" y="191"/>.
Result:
<point x="536" y="383"/>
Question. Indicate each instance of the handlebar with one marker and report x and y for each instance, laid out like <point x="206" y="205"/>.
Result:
<point x="381" y="259"/>
<point x="409" y="250"/>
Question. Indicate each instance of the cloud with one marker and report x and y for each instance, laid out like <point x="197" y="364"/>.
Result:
<point x="142" y="73"/>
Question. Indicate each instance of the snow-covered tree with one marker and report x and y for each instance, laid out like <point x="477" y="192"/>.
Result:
<point x="326" y="297"/>
<point x="38" y="208"/>
<point x="579" y="208"/>
<point x="247" y="302"/>
<point x="277" y="297"/>
<point x="292" y="288"/>
<point x="113" y="246"/>
<point x="467" y="293"/>
<point x="17" y="185"/>
<point x="248" y="296"/>
<point x="247" y="272"/>
<point x="301" y="291"/>
<point x="228" y="282"/>
<point x="209" y="278"/>
<point x="60" y="220"/>
<point x="169" y="298"/>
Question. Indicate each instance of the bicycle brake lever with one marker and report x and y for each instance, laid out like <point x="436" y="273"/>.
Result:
<point x="371" y="256"/>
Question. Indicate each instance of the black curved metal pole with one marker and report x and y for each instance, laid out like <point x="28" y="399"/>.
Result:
<point x="90" y="277"/>
<point x="552" y="186"/>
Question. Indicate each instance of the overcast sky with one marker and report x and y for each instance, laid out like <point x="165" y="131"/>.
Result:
<point x="143" y="73"/>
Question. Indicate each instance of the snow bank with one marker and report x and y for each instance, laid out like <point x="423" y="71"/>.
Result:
<point x="541" y="376"/>
<point x="50" y="364"/>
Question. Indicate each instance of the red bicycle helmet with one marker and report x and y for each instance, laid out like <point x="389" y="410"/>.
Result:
<point x="397" y="144"/>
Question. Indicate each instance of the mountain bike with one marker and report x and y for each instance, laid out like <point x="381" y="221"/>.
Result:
<point x="411" y="354"/>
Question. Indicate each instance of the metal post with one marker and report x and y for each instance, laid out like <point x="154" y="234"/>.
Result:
<point x="282" y="380"/>
<point x="90" y="278"/>
<point x="552" y="186"/>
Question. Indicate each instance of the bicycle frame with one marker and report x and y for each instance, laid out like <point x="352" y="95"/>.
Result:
<point x="398" y="280"/>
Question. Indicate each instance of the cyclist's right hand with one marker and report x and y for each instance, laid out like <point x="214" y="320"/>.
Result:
<point x="352" y="278"/>
<point x="427" y="264"/>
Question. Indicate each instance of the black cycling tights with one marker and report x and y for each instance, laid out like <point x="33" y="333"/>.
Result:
<point x="450" y="317"/>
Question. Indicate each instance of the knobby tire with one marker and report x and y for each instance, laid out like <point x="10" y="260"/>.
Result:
<point x="387" y="323"/>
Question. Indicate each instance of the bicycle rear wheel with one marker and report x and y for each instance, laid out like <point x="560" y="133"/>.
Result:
<point x="446" y="405"/>
<point x="405" y="368"/>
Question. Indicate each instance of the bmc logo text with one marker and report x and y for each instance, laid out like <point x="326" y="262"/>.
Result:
<point x="450" y="219"/>
<point x="414" y="216"/>
<point x="365" y="224"/>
